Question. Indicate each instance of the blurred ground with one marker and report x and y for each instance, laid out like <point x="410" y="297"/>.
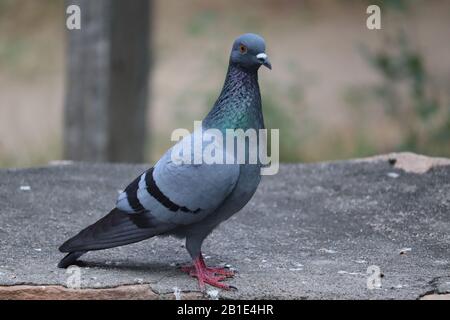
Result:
<point x="316" y="92"/>
<point x="310" y="232"/>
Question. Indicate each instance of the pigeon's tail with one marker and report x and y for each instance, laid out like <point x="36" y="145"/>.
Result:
<point x="70" y="259"/>
<point x="117" y="228"/>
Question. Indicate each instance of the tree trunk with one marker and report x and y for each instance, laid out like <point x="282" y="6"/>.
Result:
<point x="107" y="81"/>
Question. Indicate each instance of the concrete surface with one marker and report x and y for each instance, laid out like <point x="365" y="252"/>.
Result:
<point x="311" y="232"/>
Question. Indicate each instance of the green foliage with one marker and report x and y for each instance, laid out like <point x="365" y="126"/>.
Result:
<point x="276" y="118"/>
<point x="5" y="5"/>
<point x="409" y="97"/>
<point x="11" y="52"/>
<point x="201" y="22"/>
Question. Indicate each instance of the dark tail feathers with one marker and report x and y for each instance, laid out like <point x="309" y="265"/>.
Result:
<point x="117" y="228"/>
<point x="70" y="259"/>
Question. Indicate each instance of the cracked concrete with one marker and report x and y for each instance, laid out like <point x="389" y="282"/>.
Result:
<point x="58" y="292"/>
<point x="310" y="232"/>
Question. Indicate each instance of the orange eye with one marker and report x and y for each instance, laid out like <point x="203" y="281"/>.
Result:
<point x="243" y="49"/>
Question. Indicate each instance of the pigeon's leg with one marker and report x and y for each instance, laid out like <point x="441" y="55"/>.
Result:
<point x="199" y="269"/>
<point x="223" y="271"/>
<point x="203" y="275"/>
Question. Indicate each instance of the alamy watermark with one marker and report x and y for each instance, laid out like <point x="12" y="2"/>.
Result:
<point x="236" y="146"/>
<point x="73" y="21"/>
<point x="373" y="22"/>
<point x="374" y="277"/>
<point x="73" y="280"/>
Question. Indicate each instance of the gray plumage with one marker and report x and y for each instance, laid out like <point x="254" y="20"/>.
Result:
<point x="188" y="200"/>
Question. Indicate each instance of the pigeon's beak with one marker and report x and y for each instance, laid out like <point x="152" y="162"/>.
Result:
<point x="264" y="60"/>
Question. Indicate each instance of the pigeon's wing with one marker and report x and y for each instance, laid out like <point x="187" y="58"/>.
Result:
<point x="159" y="200"/>
<point x="179" y="194"/>
<point x="117" y="228"/>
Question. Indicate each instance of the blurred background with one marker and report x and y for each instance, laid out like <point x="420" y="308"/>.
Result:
<point x="337" y="90"/>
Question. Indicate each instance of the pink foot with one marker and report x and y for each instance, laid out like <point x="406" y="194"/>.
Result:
<point x="210" y="275"/>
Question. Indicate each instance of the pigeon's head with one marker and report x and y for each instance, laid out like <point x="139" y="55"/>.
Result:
<point x="249" y="52"/>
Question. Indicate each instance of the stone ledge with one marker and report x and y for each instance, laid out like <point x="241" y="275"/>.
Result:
<point x="435" y="296"/>
<point x="410" y="162"/>
<point x="310" y="232"/>
<point x="57" y="292"/>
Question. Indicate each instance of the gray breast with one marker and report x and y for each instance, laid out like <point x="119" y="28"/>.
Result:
<point x="246" y="186"/>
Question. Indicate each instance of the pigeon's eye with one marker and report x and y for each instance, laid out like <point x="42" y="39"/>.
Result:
<point x="242" y="49"/>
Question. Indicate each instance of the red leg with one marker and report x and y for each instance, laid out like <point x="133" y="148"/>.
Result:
<point x="211" y="276"/>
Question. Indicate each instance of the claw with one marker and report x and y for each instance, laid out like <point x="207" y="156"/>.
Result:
<point x="210" y="275"/>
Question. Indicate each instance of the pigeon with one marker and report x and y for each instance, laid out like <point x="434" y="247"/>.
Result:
<point x="189" y="200"/>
